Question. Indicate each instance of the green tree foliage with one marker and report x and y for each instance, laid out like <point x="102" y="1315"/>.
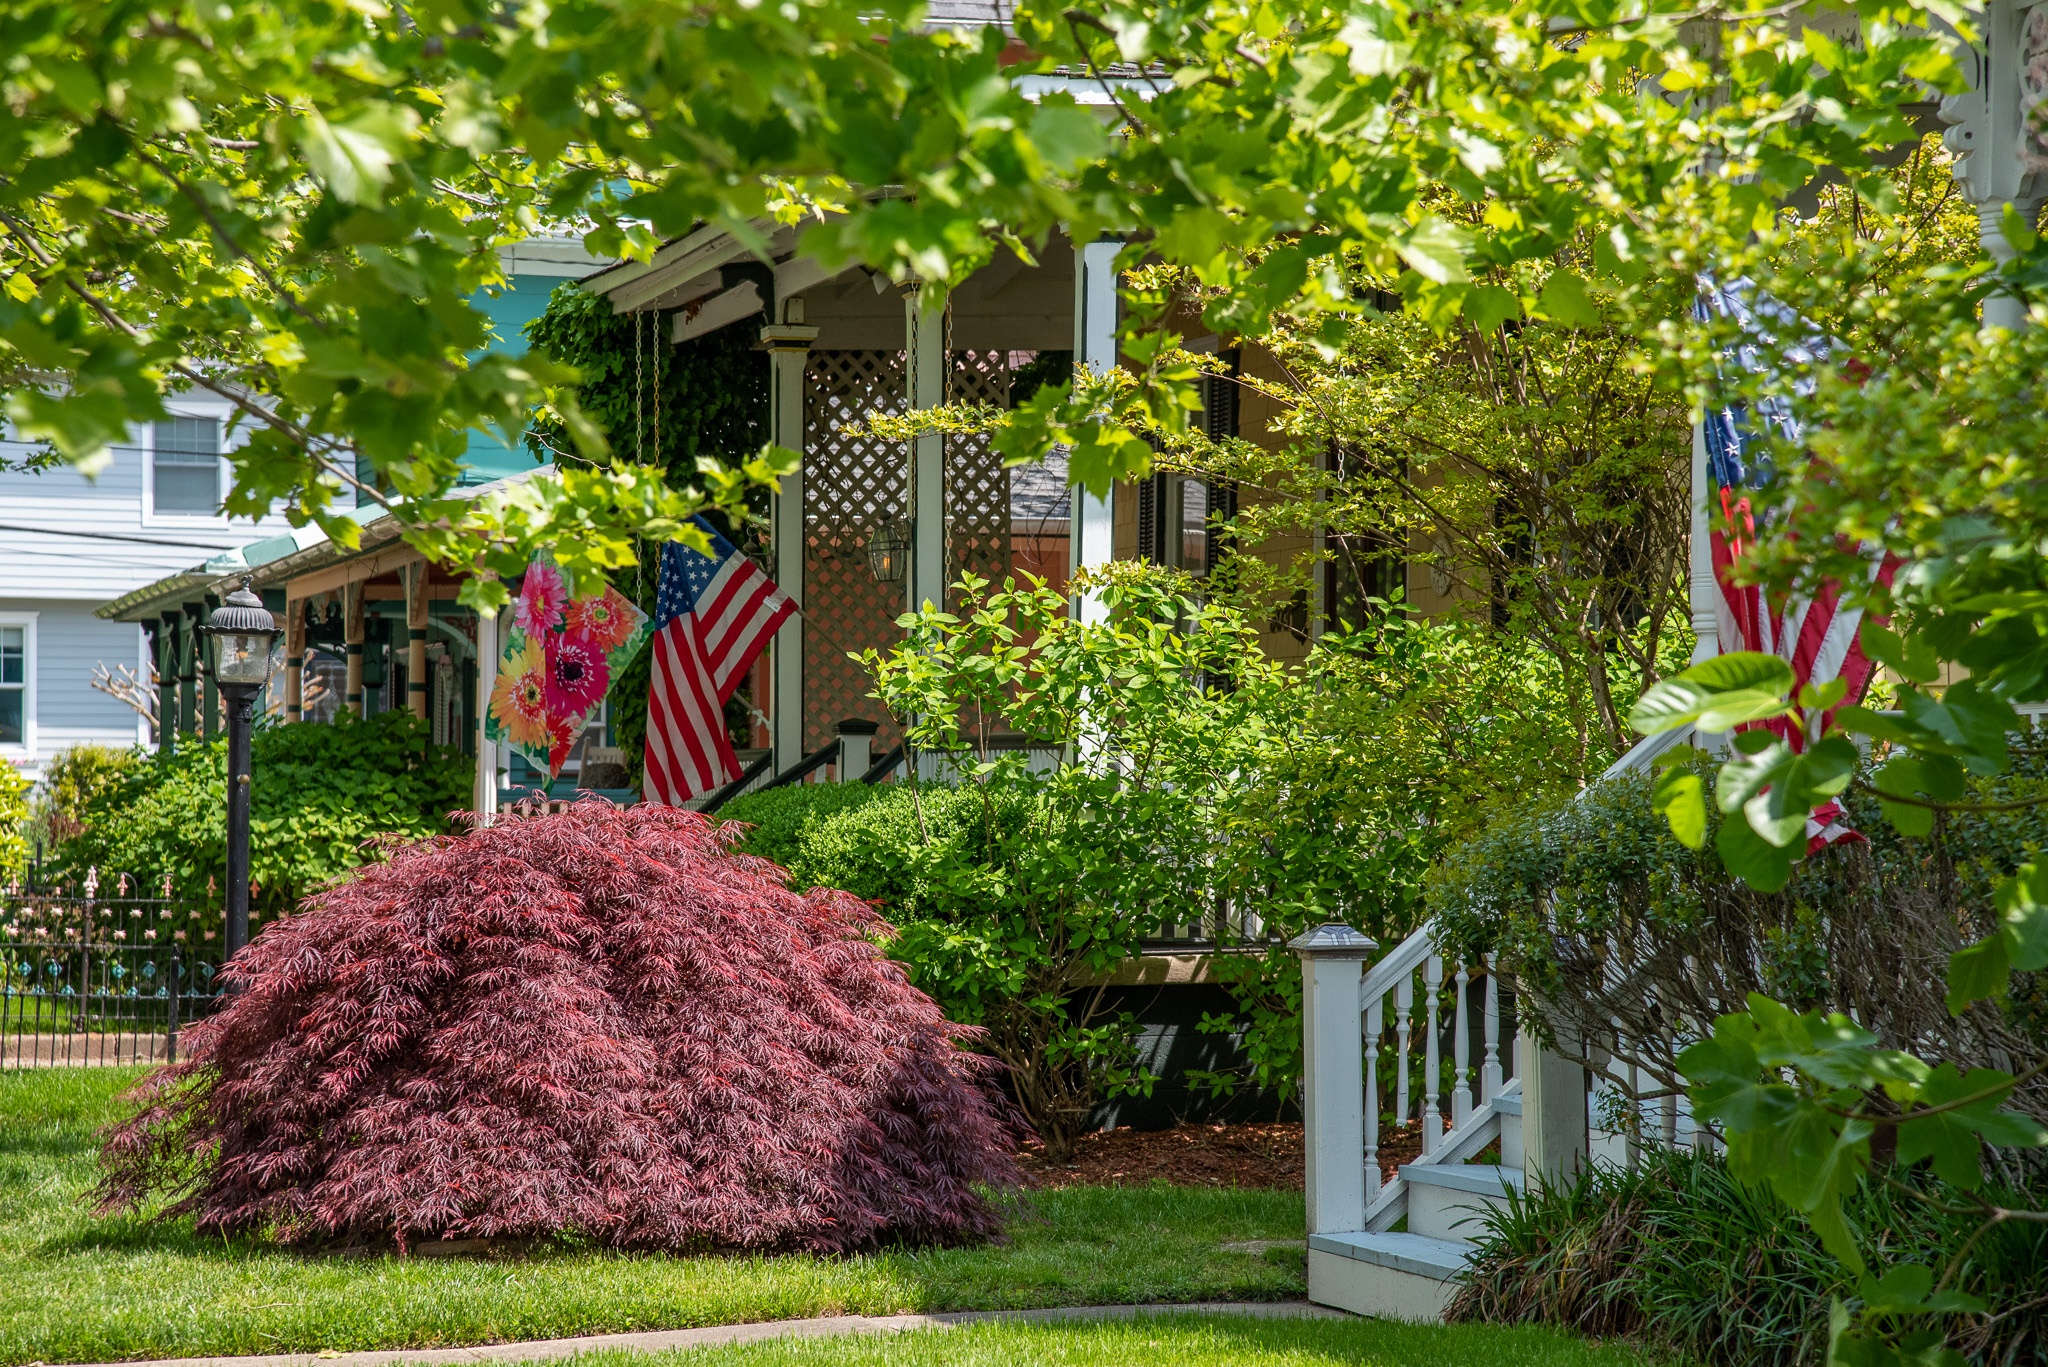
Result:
<point x="321" y="800"/>
<point x="1929" y="456"/>
<point x="293" y="205"/>
<point x="1534" y="472"/>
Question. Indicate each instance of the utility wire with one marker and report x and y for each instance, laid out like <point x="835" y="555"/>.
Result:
<point x="214" y="546"/>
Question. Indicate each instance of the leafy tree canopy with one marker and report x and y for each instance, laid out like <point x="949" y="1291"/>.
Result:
<point x="292" y="205"/>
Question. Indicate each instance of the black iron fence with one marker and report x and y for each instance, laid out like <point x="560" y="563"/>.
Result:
<point x="97" y="974"/>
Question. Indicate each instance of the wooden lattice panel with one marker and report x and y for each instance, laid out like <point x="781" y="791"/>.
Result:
<point x="852" y="485"/>
<point x="977" y="484"/>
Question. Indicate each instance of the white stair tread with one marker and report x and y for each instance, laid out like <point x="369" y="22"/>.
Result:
<point x="1439" y="1259"/>
<point x="1477" y="1179"/>
<point x="1507" y="1103"/>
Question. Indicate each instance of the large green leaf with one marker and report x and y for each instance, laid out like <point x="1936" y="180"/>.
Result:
<point x="1951" y="1138"/>
<point x="1718" y="694"/>
<point x="1680" y="796"/>
<point x="1755" y="860"/>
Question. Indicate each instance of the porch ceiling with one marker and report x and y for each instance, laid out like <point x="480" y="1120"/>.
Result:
<point x="1007" y="305"/>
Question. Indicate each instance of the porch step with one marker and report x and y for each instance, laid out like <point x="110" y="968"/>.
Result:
<point x="1394" y="1276"/>
<point x="1416" y="1253"/>
<point x="1446" y="1200"/>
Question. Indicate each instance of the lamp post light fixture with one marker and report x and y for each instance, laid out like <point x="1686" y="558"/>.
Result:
<point x="238" y="636"/>
<point x="889" y="551"/>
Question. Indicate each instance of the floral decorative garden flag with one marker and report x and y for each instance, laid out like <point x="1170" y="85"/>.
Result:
<point x="561" y="655"/>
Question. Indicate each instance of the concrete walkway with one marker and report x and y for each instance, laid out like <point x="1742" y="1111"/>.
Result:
<point x="543" y="1350"/>
<point x="83" y="1049"/>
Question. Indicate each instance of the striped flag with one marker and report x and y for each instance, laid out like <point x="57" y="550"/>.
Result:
<point x="713" y="614"/>
<point x="1817" y="635"/>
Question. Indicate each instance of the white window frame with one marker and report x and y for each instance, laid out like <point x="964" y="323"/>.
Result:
<point x="26" y="747"/>
<point x="150" y="516"/>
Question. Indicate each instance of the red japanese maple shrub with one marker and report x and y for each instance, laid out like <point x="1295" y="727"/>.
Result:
<point x="602" y="1024"/>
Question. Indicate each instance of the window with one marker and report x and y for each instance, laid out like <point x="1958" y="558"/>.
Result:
<point x="14" y="685"/>
<point x="1177" y="517"/>
<point x="186" y="463"/>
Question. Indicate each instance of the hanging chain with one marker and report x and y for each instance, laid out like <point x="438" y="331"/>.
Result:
<point x="654" y="345"/>
<point x="639" y="395"/>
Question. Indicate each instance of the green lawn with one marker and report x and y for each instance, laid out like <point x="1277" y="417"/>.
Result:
<point x="1165" y="1341"/>
<point x="78" y="1289"/>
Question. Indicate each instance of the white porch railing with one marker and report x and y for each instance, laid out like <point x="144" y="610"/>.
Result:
<point x="1375" y="1045"/>
<point x="1411" y="1047"/>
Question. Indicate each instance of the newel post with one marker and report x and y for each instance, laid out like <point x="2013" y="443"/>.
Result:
<point x="1555" y="1137"/>
<point x="1332" y="1075"/>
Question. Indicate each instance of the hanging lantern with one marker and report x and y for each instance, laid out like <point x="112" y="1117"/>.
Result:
<point x="238" y="636"/>
<point x="889" y="551"/>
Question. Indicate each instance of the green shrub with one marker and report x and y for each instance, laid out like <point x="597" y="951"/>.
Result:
<point x="1615" y="930"/>
<point x="783" y="818"/>
<point x="13" y="822"/>
<point x="320" y="795"/>
<point x="70" y="783"/>
<point x="1680" y="1254"/>
<point x="1246" y="811"/>
<point x="1012" y="899"/>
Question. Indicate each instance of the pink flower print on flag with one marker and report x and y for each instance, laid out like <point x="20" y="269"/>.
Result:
<point x="538" y="608"/>
<point x="577" y="677"/>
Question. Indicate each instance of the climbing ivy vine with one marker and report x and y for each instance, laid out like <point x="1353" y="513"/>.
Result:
<point x="706" y="397"/>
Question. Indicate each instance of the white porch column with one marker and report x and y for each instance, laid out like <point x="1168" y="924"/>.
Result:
<point x="485" y="798"/>
<point x="1705" y="590"/>
<point x="1997" y="134"/>
<point x="789" y="348"/>
<point x="1095" y="318"/>
<point x="1333" y="1075"/>
<point x="924" y="354"/>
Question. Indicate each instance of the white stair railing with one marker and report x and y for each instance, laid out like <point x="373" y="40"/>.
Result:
<point x="1390" y="985"/>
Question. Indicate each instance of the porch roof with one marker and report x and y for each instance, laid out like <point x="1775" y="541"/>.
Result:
<point x="276" y="560"/>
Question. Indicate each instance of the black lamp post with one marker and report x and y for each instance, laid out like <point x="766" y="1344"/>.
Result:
<point x="238" y="639"/>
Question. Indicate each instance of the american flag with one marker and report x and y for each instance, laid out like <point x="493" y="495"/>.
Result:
<point x="1816" y="635"/>
<point x="712" y="615"/>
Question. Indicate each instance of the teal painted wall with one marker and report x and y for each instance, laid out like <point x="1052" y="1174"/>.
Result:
<point x="511" y="307"/>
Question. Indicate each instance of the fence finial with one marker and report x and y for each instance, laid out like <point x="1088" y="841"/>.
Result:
<point x="92" y="882"/>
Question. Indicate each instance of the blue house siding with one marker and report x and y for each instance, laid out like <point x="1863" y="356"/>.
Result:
<point x="511" y="307"/>
<point x="70" y="643"/>
<point x="67" y="641"/>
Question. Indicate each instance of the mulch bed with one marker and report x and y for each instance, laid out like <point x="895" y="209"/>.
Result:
<point x="1268" y="1155"/>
